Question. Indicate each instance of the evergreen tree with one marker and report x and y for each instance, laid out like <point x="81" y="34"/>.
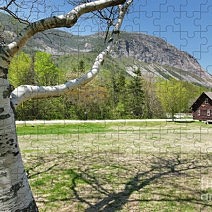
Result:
<point x="118" y="94"/>
<point x="135" y="96"/>
<point x="81" y="66"/>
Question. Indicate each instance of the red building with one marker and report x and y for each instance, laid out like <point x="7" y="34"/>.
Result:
<point x="202" y="107"/>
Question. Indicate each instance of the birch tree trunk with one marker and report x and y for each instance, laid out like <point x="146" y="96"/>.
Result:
<point x="15" y="192"/>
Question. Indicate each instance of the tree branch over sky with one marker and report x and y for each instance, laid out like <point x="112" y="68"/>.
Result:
<point x="6" y="8"/>
<point x="67" y="20"/>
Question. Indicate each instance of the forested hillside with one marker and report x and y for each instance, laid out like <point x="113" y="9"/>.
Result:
<point x="114" y="94"/>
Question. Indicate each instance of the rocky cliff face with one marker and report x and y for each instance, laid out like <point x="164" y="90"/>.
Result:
<point x="151" y="49"/>
<point x="161" y="58"/>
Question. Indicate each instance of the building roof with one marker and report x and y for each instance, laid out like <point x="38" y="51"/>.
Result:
<point x="209" y="94"/>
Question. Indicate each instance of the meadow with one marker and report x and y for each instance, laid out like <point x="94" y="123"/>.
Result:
<point x="128" y="166"/>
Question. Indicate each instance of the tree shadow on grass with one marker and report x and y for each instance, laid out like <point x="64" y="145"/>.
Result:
<point x="161" y="167"/>
<point x="101" y="198"/>
<point x="32" y="172"/>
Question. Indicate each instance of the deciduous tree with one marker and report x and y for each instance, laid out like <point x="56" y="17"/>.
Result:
<point x="173" y="96"/>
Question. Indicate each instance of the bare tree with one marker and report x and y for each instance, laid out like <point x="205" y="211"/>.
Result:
<point x="15" y="192"/>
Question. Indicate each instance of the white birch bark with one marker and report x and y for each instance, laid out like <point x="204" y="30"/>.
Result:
<point x="15" y="192"/>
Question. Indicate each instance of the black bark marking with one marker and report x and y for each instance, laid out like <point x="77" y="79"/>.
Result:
<point x="5" y="72"/>
<point x="5" y="57"/>
<point x="10" y="142"/>
<point x="32" y="207"/>
<point x="9" y="147"/>
<point x="9" y="152"/>
<point x="3" y="136"/>
<point x="15" y="153"/>
<point x="13" y="108"/>
<point x="3" y="173"/>
<point x="1" y="110"/>
<point x="4" y="116"/>
<point x="2" y="39"/>
<point x="5" y="153"/>
<point x="16" y="187"/>
<point x="6" y="93"/>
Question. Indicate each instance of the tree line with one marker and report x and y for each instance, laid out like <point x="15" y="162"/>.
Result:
<point x="114" y="94"/>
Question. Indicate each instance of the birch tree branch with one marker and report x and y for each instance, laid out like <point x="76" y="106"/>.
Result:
<point x="25" y="92"/>
<point x="67" y="20"/>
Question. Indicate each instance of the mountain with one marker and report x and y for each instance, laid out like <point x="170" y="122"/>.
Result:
<point x="153" y="56"/>
<point x="162" y="59"/>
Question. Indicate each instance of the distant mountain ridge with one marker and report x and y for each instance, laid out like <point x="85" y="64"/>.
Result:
<point x="152" y="55"/>
<point x="162" y="59"/>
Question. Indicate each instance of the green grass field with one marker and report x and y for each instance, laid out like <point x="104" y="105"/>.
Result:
<point x="139" y="166"/>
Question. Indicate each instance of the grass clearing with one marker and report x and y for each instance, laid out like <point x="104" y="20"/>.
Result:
<point x="60" y="129"/>
<point x="150" y="166"/>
